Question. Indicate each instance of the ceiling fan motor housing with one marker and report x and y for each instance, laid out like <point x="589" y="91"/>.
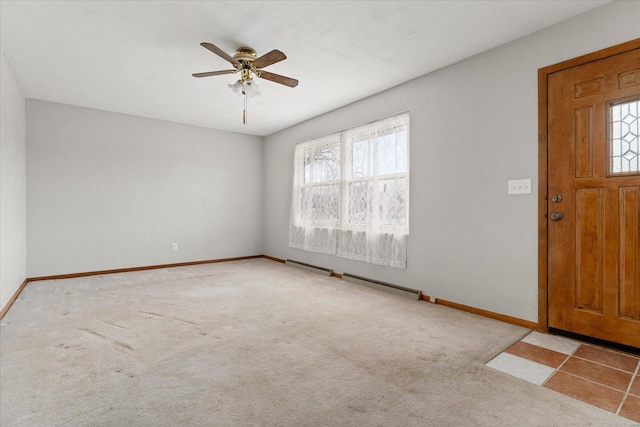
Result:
<point x="245" y="54"/>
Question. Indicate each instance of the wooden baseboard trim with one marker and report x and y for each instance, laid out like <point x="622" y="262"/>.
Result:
<point x="486" y="313"/>
<point x="131" y="269"/>
<point x="13" y="299"/>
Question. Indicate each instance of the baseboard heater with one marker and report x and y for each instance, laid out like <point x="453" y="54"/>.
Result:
<point x="382" y="286"/>
<point x="309" y="267"/>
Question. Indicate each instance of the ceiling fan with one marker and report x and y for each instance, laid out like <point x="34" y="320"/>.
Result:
<point x="248" y="63"/>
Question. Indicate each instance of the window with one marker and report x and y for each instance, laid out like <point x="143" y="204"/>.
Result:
<point x="351" y="193"/>
<point x="320" y="186"/>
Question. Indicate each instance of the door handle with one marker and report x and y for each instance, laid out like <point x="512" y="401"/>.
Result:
<point x="556" y="216"/>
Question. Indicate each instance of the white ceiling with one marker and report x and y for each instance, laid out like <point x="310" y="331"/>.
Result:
<point x="137" y="57"/>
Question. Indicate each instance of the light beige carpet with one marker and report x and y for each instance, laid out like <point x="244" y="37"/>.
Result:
<point x="258" y="343"/>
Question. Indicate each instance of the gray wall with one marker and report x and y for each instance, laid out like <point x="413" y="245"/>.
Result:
<point x="13" y="253"/>
<point x="473" y="128"/>
<point x="108" y="191"/>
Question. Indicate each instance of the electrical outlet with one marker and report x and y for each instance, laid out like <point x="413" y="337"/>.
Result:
<point x="174" y="246"/>
<point x="520" y="186"/>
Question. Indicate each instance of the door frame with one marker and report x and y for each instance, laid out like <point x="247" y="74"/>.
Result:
<point x="543" y="249"/>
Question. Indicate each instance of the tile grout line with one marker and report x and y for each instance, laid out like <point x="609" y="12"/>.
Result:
<point x="607" y="366"/>
<point x="634" y="378"/>
<point x="592" y="382"/>
<point x="614" y="351"/>
<point x="561" y="365"/>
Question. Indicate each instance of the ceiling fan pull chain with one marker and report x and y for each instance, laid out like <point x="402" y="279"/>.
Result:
<point x="244" y="112"/>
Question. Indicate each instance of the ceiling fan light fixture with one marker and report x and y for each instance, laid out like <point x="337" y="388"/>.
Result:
<point x="250" y="89"/>
<point x="245" y="87"/>
<point x="236" y="88"/>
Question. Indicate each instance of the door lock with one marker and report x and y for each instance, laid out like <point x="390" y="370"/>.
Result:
<point x="556" y="198"/>
<point x="556" y="216"/>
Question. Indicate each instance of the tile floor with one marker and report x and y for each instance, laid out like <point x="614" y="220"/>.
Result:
<point x="601" y="377"/>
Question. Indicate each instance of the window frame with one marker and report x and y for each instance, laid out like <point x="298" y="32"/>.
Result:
<point x="301" y="220"/>
<point x="365" y="133"/>
<point x="345" y="141"/>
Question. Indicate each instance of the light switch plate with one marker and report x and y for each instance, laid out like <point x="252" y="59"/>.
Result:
<point x="520" y="186"/>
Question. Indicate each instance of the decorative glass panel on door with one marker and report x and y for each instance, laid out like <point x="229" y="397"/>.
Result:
<point x="624" y="137"/>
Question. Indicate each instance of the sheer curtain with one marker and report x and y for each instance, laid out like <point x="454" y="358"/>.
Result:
<point x="351" y="193"/>
<point x="316" y="195"/>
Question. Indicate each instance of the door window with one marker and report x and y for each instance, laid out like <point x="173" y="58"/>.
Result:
<point x="624" y="139"/>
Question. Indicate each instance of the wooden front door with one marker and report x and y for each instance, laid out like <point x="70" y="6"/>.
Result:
<point x="593" y="199"/>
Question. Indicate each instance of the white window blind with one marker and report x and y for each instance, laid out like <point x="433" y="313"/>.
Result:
<point x="351" y="193"/>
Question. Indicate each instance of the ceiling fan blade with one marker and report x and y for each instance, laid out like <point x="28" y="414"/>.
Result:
<point x="214" y="73"/>
<point x="269" y="58"/>
<point x="287" y="81"/>
<point x="221" y="53"/>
